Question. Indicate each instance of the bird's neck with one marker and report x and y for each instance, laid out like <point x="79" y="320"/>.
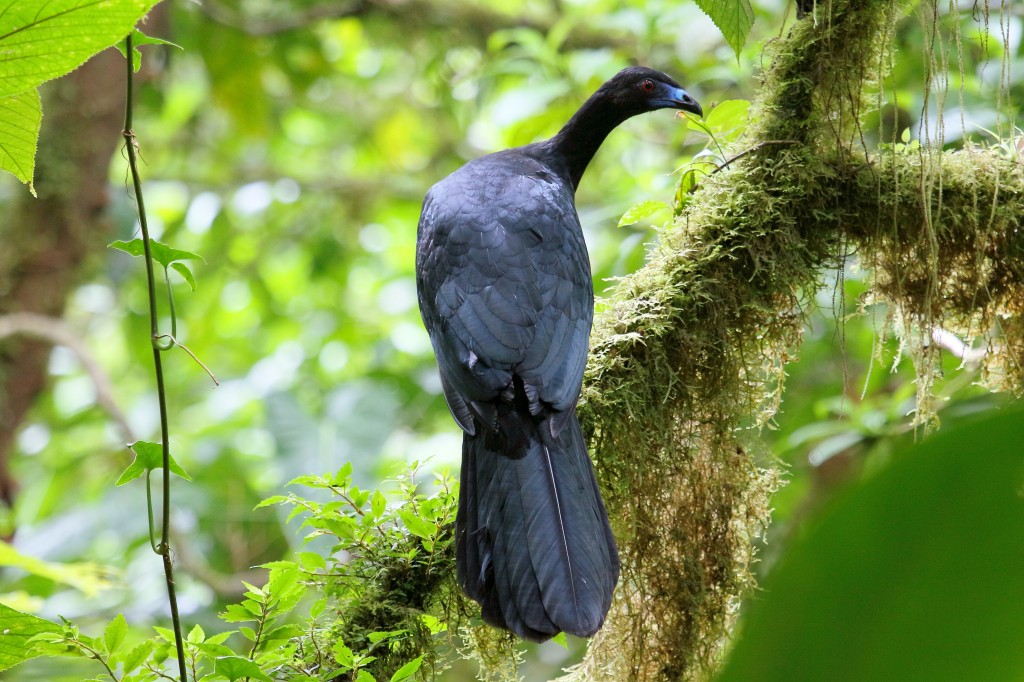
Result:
<point x="580" y="138"/>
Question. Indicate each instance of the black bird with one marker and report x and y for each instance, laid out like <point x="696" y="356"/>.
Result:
<point x="506" y="295"/>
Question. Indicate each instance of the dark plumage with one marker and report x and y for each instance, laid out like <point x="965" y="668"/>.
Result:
<point x="506" y="295"/>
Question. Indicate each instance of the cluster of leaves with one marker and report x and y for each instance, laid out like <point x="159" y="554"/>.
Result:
<point x="323" y="616"/>
<point x="380" y="574"/>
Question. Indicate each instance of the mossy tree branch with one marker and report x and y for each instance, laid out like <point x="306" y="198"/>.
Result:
<point x="691" y="348"/>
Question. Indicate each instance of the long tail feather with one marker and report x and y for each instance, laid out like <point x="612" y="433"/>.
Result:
<point x="533" y="542"/>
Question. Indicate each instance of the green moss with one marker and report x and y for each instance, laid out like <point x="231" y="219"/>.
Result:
<point x="495" y="651"/>
<point x="689" y="351"/>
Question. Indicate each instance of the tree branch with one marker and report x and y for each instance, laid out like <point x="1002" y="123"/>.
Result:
<point x="479" y="20"/>
<point x="57" y="332"/>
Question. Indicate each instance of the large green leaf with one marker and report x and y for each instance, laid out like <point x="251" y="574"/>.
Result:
<point x="235" y="668"/>
<point x="20" y="116"/>
<point x="87" y="577"/>
<point x="916" y="574"/>
<point x="17" y="628"/>
<point x="732" y="17"/>
<point x="40" y="40"/>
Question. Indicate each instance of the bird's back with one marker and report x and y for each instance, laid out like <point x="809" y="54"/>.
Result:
<point x="504" y="280"/>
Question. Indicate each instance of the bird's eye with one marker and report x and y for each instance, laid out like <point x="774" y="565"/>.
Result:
<point x="647" y="85"/>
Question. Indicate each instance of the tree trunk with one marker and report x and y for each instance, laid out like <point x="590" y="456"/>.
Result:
<point x="48" y="240"/>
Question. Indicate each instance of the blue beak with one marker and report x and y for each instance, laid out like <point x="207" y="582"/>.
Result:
<point x="677" y="98"/>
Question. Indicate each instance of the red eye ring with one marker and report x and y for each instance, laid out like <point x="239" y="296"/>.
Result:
<point x="647" y="85"/>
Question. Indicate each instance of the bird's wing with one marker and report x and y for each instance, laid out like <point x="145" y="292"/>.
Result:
<point x="504" y="284"/>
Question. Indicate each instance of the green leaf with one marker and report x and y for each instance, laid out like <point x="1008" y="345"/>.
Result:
<point x="914" y="574"/>
<point x="365" y="676"/>
<point x="378" y="637"/>
<point x="342" y="526"/>
<point x="284" y="584"/>
<point x="236" y="667"/>
<point x="434" y="624"/>
<point x="86" y="577"/>
<point x="255" y="593"/>
<point x="416" y="525"/>
<point x="407" y="670"/>
<point x="734" y="18"/>
<point x="311" y="561"/>
<point x="359" y="497"/>
<point x="134" y="658"/>
<point x="196" y="635"/>
<point x="215" y="649"/>
<point x="148" y="456"/>
<point x="283" y="632"/>
<point x="162" y="253"/>
<point x="20" y="117"/>
<point x="310" y="481"/>
<point x="342" y="654"/>
<point x="343" y="476"/>
<point x="270" y="501"/>
<point x="134" y="248"/>
<point x="727" y="114"/>
<point x="235" y="613"/>
<point x="165" y="633"/>
<point x="699" y="168"/>
<point x="17" y="629"/>
<point x="140" y="38"/>
<point x="318" y="607"/>
<point x="44" y="40"/>
<point x="114" y="633"/>
<point x="728" y="120"/>
<point x="642" y="211"/>
<point x="219" y="638"/>
<point x="185" y="273"/>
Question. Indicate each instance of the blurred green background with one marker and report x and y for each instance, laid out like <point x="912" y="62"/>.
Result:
<point x="290" y="144"/>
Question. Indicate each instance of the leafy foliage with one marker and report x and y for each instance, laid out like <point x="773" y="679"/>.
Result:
<point x="693" y="346"/>
<point x="140" y="38"/>
<point x="385" y="565"/>
<point x="348" y="610"/>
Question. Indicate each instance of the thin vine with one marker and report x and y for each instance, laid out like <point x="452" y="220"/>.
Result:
<point x="164" y="547"/>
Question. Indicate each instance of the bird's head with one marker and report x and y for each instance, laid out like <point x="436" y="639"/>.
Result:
<point x="638" y="89"/>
